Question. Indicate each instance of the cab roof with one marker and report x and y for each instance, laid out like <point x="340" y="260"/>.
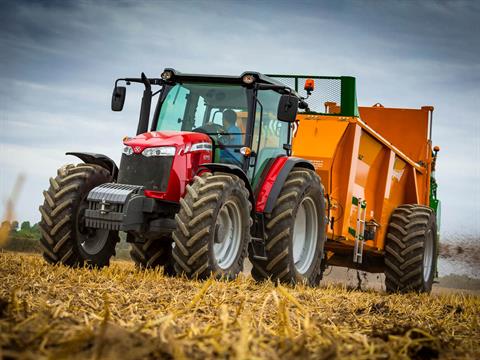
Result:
<point x="228" y="79"/>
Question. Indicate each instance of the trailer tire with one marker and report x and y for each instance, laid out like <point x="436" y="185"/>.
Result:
<point x="154" y="253"/>
<point x="301" y="195"/>
<point x="410" y="249"/>
<point x="213" y="227"/>
<point x="64" y="239"/>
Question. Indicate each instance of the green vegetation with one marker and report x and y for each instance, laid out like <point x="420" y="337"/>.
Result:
<point x="25" y="238"/>
<point x="22" y="237"/>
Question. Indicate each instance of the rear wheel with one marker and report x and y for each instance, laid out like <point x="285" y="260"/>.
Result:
<point x="154" y="253"/>
<point x="65" y="239"/>
<point x="295" y="232"/>
<point x="411" y="249"/>
<point x="213" y="227"/>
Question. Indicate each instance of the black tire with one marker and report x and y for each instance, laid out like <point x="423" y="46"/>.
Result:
<point x="280" y="265"/>
<point x="64" y="238"/>
<point x="154" y="253"/>
<point x="411" y="237"/>
<point x="197" y="228"/>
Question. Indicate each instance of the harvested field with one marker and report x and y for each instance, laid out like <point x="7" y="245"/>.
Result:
<point x="119" y="312"/>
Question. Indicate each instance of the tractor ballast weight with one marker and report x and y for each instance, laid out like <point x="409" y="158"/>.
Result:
<point x="228" y="168"/>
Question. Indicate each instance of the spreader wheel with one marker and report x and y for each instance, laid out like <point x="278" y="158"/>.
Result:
<point x="411" y="249"/>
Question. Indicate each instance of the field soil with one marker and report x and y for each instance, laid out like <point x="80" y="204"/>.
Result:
<point x="359" y="280"/>
<point x="123" y="313"/>
<point x="446" y="284"/>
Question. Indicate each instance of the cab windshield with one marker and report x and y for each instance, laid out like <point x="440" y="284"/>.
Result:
<point x="219" y="110"/>
<point x="203" y="106"/>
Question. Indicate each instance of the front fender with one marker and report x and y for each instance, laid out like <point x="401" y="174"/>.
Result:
<point x="98" y="159"/>
<point x="275" y="179"/>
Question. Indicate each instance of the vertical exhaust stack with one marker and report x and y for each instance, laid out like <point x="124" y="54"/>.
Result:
<point x="145" y="108"/>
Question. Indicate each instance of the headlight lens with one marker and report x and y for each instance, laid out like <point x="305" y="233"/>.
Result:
<point x="159" y="151"/>
<point x="127" y="150"/>
<point x="201" y="146"/>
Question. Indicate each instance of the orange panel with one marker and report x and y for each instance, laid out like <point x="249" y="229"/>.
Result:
<point x="406" y="129"/>
<point x="356" y="159"/>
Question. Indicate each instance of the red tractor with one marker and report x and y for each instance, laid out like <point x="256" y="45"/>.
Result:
<point x="207" y="180"/>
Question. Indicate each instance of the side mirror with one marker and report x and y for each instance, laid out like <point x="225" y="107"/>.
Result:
<point x="287" y="108"/>
<point x="118" y="98"/>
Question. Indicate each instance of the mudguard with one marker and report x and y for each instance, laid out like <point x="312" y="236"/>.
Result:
<point x="278" y="177"/>
<point x="97" y="159"/>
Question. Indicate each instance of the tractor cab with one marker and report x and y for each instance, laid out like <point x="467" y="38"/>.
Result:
<point x="246" y="120"/>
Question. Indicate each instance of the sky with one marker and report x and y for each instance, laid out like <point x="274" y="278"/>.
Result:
<point x="59" y="59"/>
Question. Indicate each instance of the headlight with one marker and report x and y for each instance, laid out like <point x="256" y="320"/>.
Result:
<point x="201" y="146"/>
<point x="127" y="150"/>
<point x="159" y="151"/>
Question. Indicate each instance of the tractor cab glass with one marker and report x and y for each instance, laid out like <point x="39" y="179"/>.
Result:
<point x="218" y="110"/>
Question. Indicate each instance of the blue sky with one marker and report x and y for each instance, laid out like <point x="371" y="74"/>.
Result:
<point x="58" y="61"/>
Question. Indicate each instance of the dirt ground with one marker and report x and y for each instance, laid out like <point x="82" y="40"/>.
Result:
<point x="368" y="281"/>
<point x="444" y="285"/>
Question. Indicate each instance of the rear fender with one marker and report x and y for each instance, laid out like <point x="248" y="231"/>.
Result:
<point x="275" y="179"/>
<point x="97" y="159"/>
<point x="231" y="169"/>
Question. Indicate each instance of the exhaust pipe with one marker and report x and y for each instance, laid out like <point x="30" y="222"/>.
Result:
<point x="145" y="108"/>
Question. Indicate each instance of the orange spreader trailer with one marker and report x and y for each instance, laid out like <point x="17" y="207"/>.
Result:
<point x="376" y="164"/>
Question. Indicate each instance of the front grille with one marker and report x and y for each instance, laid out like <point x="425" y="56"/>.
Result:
<point x="151" y="172"/>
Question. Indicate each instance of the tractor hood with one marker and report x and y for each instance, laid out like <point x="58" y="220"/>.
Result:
<point x="163" y="162"/>
<point x="179" y="139"/>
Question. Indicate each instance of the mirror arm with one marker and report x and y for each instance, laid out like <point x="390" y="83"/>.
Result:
<point x="302" y="104"/>
<point x="153" y="81"/>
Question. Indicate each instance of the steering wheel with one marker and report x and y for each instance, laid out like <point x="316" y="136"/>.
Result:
<point x="210" y="128"/>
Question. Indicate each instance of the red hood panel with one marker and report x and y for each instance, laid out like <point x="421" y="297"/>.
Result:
<point x="165" y="138"/>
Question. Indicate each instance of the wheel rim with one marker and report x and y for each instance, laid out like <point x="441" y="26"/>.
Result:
<point x="305" y="235"/>
<point x="92" y="241"/>
<point x="428" y="256"/>
<point x="228" y="235"/>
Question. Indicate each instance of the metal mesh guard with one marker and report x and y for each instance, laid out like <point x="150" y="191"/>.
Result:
<point x="327" y="92"/>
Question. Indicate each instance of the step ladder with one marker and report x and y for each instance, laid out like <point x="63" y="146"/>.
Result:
<point x="360" y="231"/>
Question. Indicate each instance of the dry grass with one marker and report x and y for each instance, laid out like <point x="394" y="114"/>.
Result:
<point x="119" y="312"/>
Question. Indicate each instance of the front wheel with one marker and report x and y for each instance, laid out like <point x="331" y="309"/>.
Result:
<point x="65" y="238"/>
<point x="154" y="253"/>
<point x="295" y="233"/>
<point x="213" y="227"/>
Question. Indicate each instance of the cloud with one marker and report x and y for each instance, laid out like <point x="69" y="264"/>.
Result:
<point x="58" y="61"/>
